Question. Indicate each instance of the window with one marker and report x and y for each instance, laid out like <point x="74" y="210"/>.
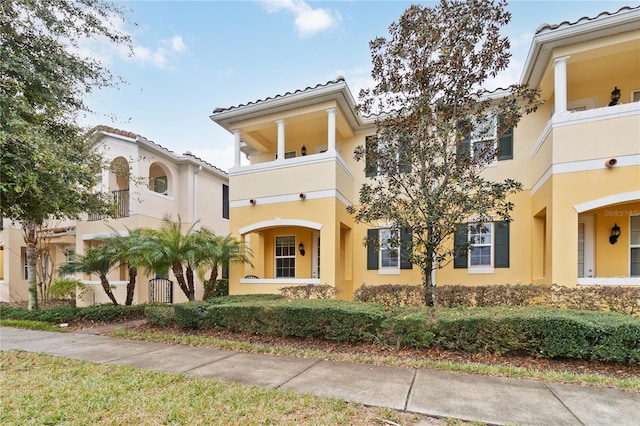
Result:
<point x="290" y="154"/>
<point x="225" y="201"/>
<point x="158" y="184"/>
<point x="481" y="244"/>
<point x="634" y="240"/>
<point x="635" y="96"/>
<point x="388" y="249"/>
<point x="487" y="245"/>
<point x="483" y="141"/>
<point x="286" y="257"/>
<point x="374" y="150"/>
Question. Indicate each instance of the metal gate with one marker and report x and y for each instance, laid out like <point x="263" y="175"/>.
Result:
<point x="160" y="290"/>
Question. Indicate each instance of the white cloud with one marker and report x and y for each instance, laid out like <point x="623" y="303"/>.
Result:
<point x="177" y="44"/>
<point x="308" y="21"/>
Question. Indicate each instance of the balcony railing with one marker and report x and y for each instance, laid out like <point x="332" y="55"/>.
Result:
<point x="121" y="201"/>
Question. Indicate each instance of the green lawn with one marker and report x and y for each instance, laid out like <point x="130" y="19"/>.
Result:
<point x="39" y="389"/>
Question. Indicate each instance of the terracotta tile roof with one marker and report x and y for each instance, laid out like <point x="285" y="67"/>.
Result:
<point x="139" y="138"/>
<point x="550" y="27"/>
<point x="107" y="129"/>
<point x="308" y="88"/>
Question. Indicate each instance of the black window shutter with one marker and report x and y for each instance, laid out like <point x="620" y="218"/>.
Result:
<point x="372" y="248"/>
<point x="370" y="146"/>
<point x="460" y="238"/>
<point x="225" y="201"/>
<point x="405" y="249"/>
<point x="463" y="149"/>
<point x="505" y="145"/>
<point x="501" y="231"/>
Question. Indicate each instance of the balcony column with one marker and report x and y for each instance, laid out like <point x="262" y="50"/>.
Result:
<point x="280" y="124"/>
<point x="560" y="83"/>
<point x="236" y="147"/>
<point x="331" y="128"/>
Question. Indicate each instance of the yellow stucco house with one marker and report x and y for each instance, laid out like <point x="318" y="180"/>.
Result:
<point x="148" y="182"/>
<point x="577" y="221"/>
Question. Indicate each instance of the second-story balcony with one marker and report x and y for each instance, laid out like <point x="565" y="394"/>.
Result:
<point x="121" y="202"/>
<point x="324" y="174"/>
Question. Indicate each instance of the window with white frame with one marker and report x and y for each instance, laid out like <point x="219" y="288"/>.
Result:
<point x="635" y="96"/>
<point x="389" y="249"/>
<point x="483" y="138"/>
<point x="481" y="240"/>
<point x="285" y="256"/>
<point x="25" y="263"/>
<point x="634" y="249"/>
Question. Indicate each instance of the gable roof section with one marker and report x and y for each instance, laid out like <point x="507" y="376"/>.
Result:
<point x="186" y="157"/>
<point x="548" y="37"/>
<point x="336" y="90"/>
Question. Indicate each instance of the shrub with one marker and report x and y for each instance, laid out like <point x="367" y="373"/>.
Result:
<point x="189" y="315"/>
<point x="598" y="298"/>
<point x="110" y="313"/>
<point x="410" y="330"/>
<point x="310" y="291"/>
<point x="67" y="289"/>
<point x="391" y="295"/>
<point x="222" y="288"/>
<point x="160" y="315"/>
<point x="492" y="295"/>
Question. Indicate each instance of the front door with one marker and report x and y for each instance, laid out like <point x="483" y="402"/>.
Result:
<point x="315" y="261"/>
<point x="586" y="268"/>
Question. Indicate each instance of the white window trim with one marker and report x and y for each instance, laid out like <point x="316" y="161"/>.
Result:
<point x="632" y="94"/>
<point x="490" y="136"/>
<point x="276" y="257"/>
<point x="482" y="269"/>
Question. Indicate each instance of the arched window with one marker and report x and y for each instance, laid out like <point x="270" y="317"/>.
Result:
<point x="159" y="179"/>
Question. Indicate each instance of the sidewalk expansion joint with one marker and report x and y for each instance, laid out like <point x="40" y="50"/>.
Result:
<point x="413" y="380"/>
<point x="563" y="404"/>
<point x="299" y="374"/>
<point x="210" y="362"/>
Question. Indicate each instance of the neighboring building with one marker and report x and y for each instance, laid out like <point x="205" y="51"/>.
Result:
<point x="148" y="183"/>
<point x="577" y="157"/>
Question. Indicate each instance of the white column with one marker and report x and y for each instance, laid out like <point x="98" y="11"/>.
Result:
<point x="560" y="85"/>
<point x="331" y="128"/>
<point x="280" y="140"/>
<point x="236" y="148"/>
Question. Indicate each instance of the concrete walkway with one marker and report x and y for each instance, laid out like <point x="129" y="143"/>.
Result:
<point x="494" y="400"/>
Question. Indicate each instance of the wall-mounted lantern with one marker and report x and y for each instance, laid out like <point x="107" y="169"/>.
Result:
<point x="303" y="150"/>
<point x="615" y="96"/>
<point x="615" y="233"/>
<point x="301" y="249"/>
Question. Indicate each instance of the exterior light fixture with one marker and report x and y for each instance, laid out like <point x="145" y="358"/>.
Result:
<point x="301" y="249"/>
<point x="615" y="233"/>
<point x="615" y="96"/>
<point x="303" y="150"/>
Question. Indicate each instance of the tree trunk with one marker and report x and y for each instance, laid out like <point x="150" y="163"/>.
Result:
<point x="30" y="235"/>
<point x="210" y="285"/>
<point x="427" y="281"/>
<point x="190" y="284"/>
<point x="107" y="289"/>
<point x="179" y="274"/>
<point x="133" y="274"/>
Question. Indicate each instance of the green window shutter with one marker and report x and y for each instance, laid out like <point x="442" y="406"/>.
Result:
<point x="505" y="145"/>
<point x="405" y="249"/>
<point x="460" y="238"/>
<point x="372" y="248"/>
<point x="371" y="165"/>
<point x="501" y="231"/>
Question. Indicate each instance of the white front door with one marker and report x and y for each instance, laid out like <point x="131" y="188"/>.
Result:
<point x="586" y="267"/>
<point x="315" y="252"/>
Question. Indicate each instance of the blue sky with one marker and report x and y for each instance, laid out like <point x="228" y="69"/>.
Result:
<point x="193" y="56"/>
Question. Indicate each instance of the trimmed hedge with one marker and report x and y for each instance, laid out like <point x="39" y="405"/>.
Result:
<point x="160" y="315"/>
<point x="535" y="331"/>
<point x="333" y="320"/>
<point x="70" y="313"/>
<point x="309" y="291"/>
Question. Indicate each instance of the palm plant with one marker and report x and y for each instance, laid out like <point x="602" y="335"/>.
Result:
<point x="168" y="248"/>
<point x="96" y="261"/>
<point x="129" y="250"/>
<point x="213" y="252"/>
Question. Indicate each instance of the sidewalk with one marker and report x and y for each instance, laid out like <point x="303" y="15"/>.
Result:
<point x="493" y="400"/>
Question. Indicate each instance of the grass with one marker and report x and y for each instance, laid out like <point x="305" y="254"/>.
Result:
<point x="42" y="389"/>
<point x="631" y="384"/>
<point x="32" y="325"/>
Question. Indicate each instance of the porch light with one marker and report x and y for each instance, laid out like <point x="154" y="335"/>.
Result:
<point x="615" y="96"/>
<point x="303" y="150"/>
<point x="615" y="233"/>
<point x="301" y="248"/>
